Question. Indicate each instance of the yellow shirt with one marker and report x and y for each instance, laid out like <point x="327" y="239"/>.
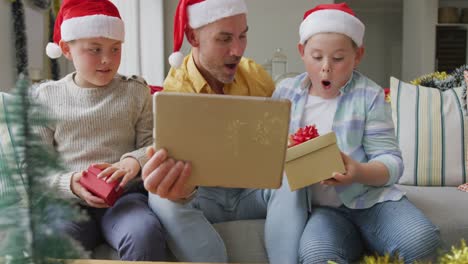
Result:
<point x="250" y="79"/>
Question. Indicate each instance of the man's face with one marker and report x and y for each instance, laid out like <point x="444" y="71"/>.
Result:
<point x="220" y="48"/>
<point x="96" y="60"/>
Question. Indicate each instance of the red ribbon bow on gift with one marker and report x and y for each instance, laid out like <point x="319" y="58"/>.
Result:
<point x="303" y="134"/>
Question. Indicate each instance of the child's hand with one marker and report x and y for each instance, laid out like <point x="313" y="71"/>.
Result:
<point x="125" y="170"/>
<point x="86" y="196"/>
<point x="346" y="178"/>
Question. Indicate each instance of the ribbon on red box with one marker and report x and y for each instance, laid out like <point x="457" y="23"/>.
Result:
<point x="303" y="134"/>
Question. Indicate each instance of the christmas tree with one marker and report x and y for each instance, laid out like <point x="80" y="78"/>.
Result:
<point x="30" y="209"/>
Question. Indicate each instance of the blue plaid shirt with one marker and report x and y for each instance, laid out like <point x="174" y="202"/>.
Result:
<point x="364" y="129"/>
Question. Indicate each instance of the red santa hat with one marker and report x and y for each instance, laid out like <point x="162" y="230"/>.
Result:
<point x="78" y="19"/>
<point x="336" y="18"/>
<point x="198" y="13"/>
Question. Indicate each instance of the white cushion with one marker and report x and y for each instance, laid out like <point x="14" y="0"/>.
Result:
<point x="430" y="129"/>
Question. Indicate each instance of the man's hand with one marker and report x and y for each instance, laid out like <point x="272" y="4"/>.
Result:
<point x="126" y="169"/>
<point x="167" y="177"/>
<point x="84" y="194"/>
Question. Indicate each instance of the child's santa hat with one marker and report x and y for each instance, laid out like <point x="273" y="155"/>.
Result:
<point x="78" y="19"/>
<point x="198" y="13"/>
<point x="335" y="18"/>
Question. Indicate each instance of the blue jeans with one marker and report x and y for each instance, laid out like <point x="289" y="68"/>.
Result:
<point x="192" y="238"/>
<point x="343" y="234"/>
<point x="130" y="227"/>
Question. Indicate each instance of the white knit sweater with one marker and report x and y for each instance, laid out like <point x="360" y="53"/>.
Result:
<point x="95" y="124"/>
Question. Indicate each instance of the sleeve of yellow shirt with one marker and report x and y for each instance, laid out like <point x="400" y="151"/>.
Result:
<point x="259" y="81"/>
<point x="175" y="82"/>
<point x="177" y="79"/>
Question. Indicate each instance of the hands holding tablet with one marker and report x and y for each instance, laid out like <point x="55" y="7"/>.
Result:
<point x="166" y="177"/>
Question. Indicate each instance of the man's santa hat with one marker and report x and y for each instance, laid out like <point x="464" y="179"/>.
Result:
<point x="79" y="19"/>
<point x="332" y="18"/>
<point x="198" y="13"/>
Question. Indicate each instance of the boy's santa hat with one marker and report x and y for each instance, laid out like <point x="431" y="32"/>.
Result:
<point x="198" y="13"/>
<point x="78" y="19"/>
<point x="335" y="18"/>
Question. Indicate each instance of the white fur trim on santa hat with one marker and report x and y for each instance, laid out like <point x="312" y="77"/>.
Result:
<point x="53" y="50"/>
<point x="334" y="21"/>
<point x="93" y="26"/>
<point x="176" y="59"/>
<point x="209" y="11"/>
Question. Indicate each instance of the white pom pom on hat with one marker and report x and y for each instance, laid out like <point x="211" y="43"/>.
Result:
<point x="198" y="13"/>
<point x="53" y="50"/>
<point x="79" y="19"/>
<point x="332" y="18"/>
<point x="176" y="59"/>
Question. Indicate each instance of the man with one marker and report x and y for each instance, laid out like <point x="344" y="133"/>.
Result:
<point x="216" y="66"/>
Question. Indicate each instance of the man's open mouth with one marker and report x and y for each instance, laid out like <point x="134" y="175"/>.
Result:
<point x="231" y="65"/>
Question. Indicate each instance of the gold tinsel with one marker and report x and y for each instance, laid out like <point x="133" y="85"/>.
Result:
<point x="436" y="75"/>
<point x="382" y="260"/>
<point x="457" y="255"/>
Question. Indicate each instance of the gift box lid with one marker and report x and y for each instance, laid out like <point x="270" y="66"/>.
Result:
<point x="231" y="141"/>
<point x="310" y="146"/>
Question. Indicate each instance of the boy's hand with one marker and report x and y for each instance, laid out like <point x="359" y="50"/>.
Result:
<point x="346" y="178"/>
<point x="127" y="169"/>
<point x="84" y="194"/>
<point x="167" y="177"/>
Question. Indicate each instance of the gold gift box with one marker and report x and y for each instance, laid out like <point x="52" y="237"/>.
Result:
<point x="313" y="161"/>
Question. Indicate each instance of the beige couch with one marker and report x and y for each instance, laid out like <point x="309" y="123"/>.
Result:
<point x="447" y="208"/>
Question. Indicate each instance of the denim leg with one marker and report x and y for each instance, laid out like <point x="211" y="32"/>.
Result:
<point x="190" y="235"/>
<point x="87" y="232"/>
<point x="329" y="235"/>
<point x="285" y="221"/>
<point x="397" y="227"/>
<point x="252" y="204"/>
<point x="134" y="230"/>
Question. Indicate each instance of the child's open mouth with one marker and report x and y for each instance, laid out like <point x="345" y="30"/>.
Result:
<point x="326" y="84"/>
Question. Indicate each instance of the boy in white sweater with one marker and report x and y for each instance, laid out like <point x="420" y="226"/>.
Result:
<point x="102" y="119"/>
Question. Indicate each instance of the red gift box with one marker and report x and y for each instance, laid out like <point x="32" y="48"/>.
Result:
<point x="109" y="192"/>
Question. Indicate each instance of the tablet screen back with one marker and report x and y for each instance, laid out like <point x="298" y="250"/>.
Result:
<point x="231" y="141"/>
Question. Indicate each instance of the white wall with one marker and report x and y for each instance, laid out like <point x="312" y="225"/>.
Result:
<point x="382" y="39"/>
<point x="275" y="24"/>
<point x="419" y="20"/>
<point x="272" y="24"/>
<point x="279" y="29"/>
<point x="6" y="47"/>
<point x="142" y="51"/>
<point x="35" y="43"/>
